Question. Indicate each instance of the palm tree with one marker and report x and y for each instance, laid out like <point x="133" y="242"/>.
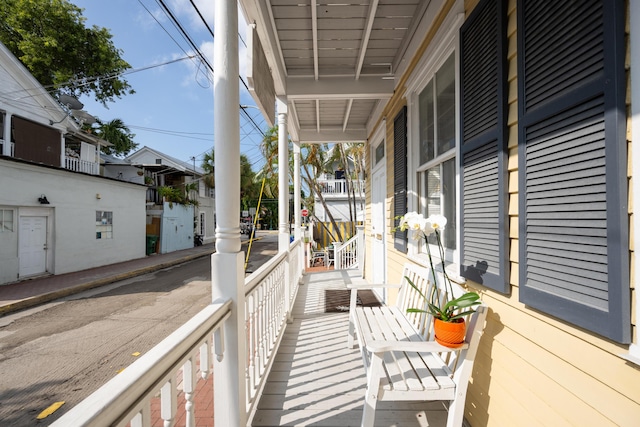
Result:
<point x="117" y="133"/>
<point x="249" y="190"/>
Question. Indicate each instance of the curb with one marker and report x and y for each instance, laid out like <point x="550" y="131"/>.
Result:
<point x="61" y="293"/>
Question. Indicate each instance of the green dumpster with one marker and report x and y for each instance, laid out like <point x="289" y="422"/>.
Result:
<point x="152" y="241"/>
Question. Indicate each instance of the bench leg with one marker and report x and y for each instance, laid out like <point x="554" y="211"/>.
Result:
<point x="456" y="412"/>
<point x="371" y="396"/>
<point x="352" y="306"/>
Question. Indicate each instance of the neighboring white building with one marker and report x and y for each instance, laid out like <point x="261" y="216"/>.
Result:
<point x="57" y="215"/>
<point x="335" y="193"/>
<point x="160" y="170"/>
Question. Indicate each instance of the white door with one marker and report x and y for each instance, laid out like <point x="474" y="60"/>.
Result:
<point x="378" y="232"/>
<point x="33" y="245"/>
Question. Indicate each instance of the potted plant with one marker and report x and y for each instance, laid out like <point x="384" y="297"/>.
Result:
<point x="448" y="313"/>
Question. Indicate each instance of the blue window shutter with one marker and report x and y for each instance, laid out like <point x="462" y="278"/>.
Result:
<point x="483" y="161"/>
<point x="573" y="220"/>
<point x="400" y="177"/>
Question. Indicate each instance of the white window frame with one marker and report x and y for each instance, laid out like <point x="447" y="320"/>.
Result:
<point x="445" y="43"/>
<point x="4" y="214"/>
<point x="105" y="228"/>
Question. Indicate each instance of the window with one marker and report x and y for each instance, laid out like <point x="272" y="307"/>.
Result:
<point x="436" y="172"/>
<point x="378" y="153"/>
<point x="202" y="224"/>
<point x="6" y="220"/>
<point x="104" y="225"/>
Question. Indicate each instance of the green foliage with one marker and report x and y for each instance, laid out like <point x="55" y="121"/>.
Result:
<point x="176" y="195"/>
<point x="117" y="133"/>
<point x="51" y="40"/>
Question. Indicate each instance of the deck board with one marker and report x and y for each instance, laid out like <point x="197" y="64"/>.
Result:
<point x="317" y="381"/>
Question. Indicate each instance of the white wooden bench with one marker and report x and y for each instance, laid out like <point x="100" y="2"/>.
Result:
<point x="402" y="361"/>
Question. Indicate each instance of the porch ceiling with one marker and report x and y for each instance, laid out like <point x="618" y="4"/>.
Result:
<point x="334" y="61"/>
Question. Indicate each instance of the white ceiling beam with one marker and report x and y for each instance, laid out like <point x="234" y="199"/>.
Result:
<point x="293" y="121"/>
<point x="314" y="32"/>
<point x="373" y="7"/>
<point x="332" y="135"/>
<point x="317" y="115"/>
<point x="339" y="88"/>
<point x="347" y="113"/>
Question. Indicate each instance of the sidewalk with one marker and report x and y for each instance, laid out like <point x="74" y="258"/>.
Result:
<point x="31" y="292"/>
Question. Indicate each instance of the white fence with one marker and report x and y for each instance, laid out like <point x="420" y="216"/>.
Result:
<point x="126" y="399"/>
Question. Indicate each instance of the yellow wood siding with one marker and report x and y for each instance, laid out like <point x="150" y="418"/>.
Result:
<point x="531" y="370"/>
<point x="535" y="370"/>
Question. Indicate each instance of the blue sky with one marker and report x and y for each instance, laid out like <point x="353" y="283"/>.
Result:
<point x="172" y="109"/>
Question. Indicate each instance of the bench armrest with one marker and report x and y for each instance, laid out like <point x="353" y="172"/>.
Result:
<point x="380" y="346"/>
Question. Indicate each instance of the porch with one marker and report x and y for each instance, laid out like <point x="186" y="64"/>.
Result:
<point x="315" y="379"/>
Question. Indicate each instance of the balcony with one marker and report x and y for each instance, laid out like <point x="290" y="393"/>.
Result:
<point x="84" y="166"/>
<point x="338" y="188"/>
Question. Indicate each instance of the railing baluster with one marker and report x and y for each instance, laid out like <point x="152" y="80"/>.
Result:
<point x="205" y="359"/>
<point x="168" y="402"/>
<point x="188" y="381"/>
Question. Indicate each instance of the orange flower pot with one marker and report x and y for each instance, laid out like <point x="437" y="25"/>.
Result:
<point x="450" y="334"/>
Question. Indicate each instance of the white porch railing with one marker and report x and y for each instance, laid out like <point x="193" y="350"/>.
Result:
<point x="346" y="254"/>
<point x="126" y="399"/>
<point x="339" y="187"/>
<point x="83" y="166"/>
<point x="350" y="254"/>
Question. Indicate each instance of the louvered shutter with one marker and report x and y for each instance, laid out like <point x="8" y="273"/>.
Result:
<point x="400" y="177"/>
<point x="483" y="161"/>
<point x="574" y="245"/>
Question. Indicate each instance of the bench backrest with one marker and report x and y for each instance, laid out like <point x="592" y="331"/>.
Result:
<point x="408" y="297"/>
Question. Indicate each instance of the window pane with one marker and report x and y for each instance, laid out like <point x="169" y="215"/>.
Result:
<point x="446" y="105"/>
<point x="438" y="185"/>
<point x="449" y="203"/>
<point x="432" y="187"/>
<point x="379" y="153"/>
<point x="425" y="111"/>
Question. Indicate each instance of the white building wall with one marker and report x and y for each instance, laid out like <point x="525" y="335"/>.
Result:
<point x="74" y="200"/>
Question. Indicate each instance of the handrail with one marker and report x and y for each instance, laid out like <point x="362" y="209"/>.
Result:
<point x="127" y="396"/>
<point x="346" y="254"/>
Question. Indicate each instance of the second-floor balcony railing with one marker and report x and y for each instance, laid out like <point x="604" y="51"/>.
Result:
<point x="83" y="166"/>
<point x="340" y="187"/>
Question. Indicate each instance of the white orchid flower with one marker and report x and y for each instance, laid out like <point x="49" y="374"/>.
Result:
<point x="438" y="222"/>
<point x="410" y="221"/>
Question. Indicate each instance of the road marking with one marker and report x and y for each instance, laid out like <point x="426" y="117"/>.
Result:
<point x="50" y="410"/>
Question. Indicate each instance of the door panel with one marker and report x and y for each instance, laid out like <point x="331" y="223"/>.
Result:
<point x="33" y="245"/>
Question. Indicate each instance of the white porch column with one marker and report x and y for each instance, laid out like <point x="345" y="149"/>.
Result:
<point x="283" y="176"/>
<point x="227" y="264"/>
<point x="297" y="206"/>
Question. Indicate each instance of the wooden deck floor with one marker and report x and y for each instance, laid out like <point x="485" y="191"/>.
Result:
<point x="316" y="380"/>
